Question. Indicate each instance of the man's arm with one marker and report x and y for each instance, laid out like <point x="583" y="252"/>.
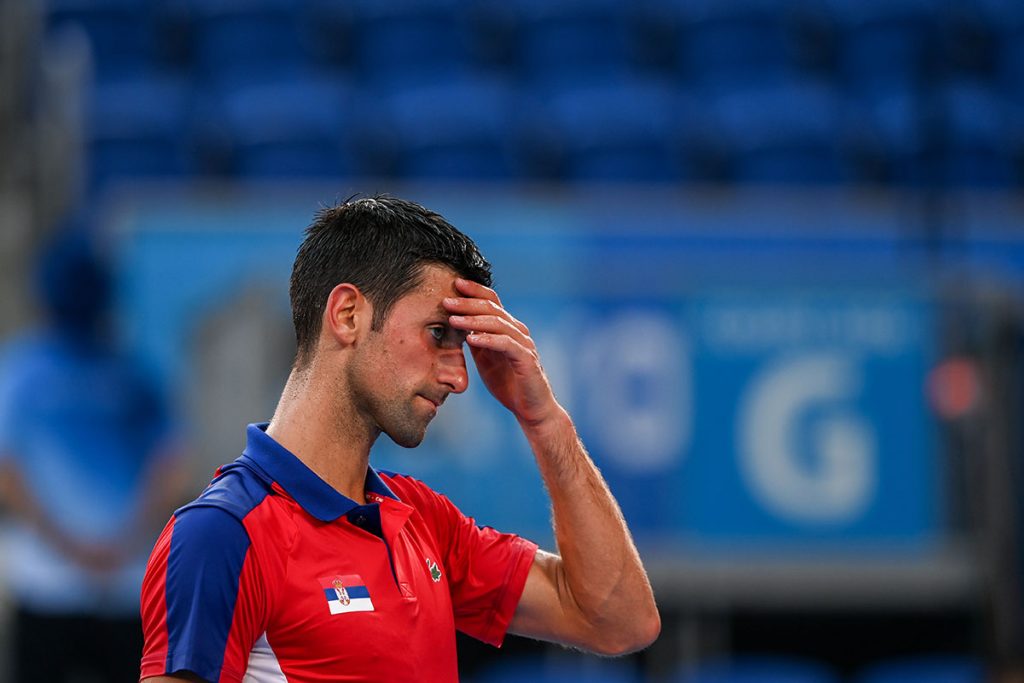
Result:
<point x="595" y="594"/>
<point x="16" y="495"/>
<point x="164" y="483"/>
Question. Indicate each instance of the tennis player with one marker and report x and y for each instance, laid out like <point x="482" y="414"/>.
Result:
<point x="301" y="562"/>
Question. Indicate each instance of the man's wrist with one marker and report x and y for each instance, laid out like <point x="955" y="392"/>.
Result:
<point x="556" y="423"/>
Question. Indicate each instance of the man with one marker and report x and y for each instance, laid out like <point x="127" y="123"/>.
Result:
<point x="90" y="461"/>
<point x="300" y="562"/>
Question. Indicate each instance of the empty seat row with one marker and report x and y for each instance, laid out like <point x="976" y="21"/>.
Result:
<point x="748" y="669"/>
<point x="619" y="129"/>
<point x="875" y="44"/>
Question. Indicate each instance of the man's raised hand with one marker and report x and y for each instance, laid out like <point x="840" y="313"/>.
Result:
<point x="505" y="355"/>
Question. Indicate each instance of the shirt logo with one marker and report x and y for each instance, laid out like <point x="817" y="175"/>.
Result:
<point x="339" y="589"/>
<point x="346" y="593"/>
<point x="435" y="571"/>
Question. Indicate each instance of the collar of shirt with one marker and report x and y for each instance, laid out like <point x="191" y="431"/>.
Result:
<point x="316" y="496"/>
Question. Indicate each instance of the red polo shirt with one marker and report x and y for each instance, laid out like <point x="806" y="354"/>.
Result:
<point x="274" y="575"/>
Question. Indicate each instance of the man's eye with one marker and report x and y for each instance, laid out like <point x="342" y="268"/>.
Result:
<point x="447" y="337"/>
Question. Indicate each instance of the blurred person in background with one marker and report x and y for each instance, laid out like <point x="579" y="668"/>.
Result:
<point x="301" y="562"/>
<point x="89" y="466"/>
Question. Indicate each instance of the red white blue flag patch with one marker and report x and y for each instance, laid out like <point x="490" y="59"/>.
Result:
<point x="346" y="593"/>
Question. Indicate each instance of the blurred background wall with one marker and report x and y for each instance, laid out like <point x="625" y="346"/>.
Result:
<point x="772" y="253"/>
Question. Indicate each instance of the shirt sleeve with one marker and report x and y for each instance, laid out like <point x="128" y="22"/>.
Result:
<point x="486" y="570"/>
<point x="202" y="598"/>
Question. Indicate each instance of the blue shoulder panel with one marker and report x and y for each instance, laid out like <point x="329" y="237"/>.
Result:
<point x="237" y="489"/>
<point x="208" y="548"/>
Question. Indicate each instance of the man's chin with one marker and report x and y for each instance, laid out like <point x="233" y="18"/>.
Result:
<point x="408" y="439"/>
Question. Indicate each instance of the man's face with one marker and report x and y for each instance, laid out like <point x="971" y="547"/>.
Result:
<point x="402" y="373"/>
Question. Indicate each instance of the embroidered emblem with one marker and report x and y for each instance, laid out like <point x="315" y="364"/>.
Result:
<point x="346" y="593"/>
<point x="339" y="589"/>
<point x="435" y="571"/>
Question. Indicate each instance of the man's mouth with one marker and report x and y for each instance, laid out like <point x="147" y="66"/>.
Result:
<point x="436" y="402"/>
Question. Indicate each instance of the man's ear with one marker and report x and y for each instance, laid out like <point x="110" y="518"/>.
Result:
<point x="347" y="314"/>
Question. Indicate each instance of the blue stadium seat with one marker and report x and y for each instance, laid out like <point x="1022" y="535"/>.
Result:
<point x="139" y="128"/>
<point x="122" y="33"/>
<point x="573" y="41"/>
<point x="617" y="131"/>
<point x="976" y="136"/>
<point x="787" y="133"/>
<point x="887" y="137"/>
<point x="925" y="669"/>
<point x="402" y="42"/>
<point x="240" y="41"/>
<point x="565" y="670"/>
<point x="1006" y="18"/>
<point x="331" y="32"/>
<point x="884" y="44"/>
<point x="758" y="670"/>
<point x="463" y="128"/>
<point x="967" y="40"/>
<point x="730" y="43"/>
<point x="289" y="128"/>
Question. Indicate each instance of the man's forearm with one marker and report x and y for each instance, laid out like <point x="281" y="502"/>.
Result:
<point x="600" y="567"/>
<point x="14" y="492"/>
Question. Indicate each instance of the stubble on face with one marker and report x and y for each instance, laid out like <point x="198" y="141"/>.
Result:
<point x="392" y="377"/>
<point x="377" y="393"/>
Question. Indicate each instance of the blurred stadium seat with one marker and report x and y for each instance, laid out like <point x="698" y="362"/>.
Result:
<point x="246" y="40"/>
<point x="884" y="44"/>
<point x="887" y="137"/>
<point x="619" y="130"/>
<point x="558" y="671"/>
<point x="463" y="128"/>
<point x="330" y="29"/>
<point x="967" y="39"/>
<point x="139" y="128"/>
<point x="287" y="128"/>
<point x="935" y="669"/>
<point x="759" y="670"/>
<point x="976" y="147"/>
<point x="572" y="42"/>
<point x="788" y="133"/>
<point x="405" y="42"/>
<point x="1006" y="18"/>
<point x="122" y="33"/>
<point x="889" y="91"/>
<point x="735" y="43"/>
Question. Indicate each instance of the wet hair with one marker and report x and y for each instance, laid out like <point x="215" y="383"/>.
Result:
<point x="379" y="244"/>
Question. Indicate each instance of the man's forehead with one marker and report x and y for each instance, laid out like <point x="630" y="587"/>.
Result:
<point x="436" y="282"/>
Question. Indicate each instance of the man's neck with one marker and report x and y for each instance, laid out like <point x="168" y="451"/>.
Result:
<point x="317" y="423"/>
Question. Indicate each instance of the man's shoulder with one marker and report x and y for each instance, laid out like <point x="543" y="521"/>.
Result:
<point x="236" y="490"/>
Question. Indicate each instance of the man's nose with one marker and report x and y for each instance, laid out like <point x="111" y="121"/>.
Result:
<point x="452" y="371"/>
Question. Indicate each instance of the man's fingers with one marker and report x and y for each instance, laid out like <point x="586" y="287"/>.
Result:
<point x="476" y="290"/>
<point x="472" y="306"/>
<point x="501" y="343"/>
<point x="480" y="307"/>
<point x="491" y="324"/>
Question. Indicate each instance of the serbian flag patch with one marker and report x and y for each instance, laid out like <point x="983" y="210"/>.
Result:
<point x="346" y="594"/>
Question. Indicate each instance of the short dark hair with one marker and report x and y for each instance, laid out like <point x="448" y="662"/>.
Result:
<point x="379" y="244"/>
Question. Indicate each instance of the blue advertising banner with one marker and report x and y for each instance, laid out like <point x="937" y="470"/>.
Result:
<point x="735" y="410"/>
